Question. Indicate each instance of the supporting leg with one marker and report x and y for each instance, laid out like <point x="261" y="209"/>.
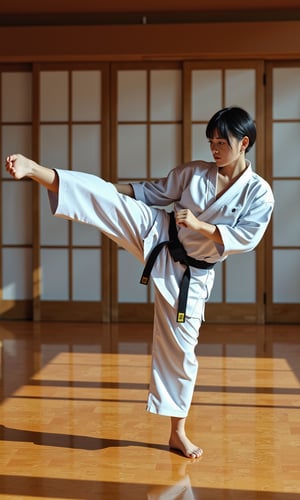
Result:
<point x="174" y="371"/>
<point x="179" y="440"/>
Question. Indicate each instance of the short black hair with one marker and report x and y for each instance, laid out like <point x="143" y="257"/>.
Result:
<point x="232" y="121"/>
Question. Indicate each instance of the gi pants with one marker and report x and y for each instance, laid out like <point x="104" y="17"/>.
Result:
<point x="138" y="228"/>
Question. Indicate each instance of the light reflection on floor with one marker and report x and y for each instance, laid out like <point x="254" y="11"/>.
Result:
<point x="73" y="420"/>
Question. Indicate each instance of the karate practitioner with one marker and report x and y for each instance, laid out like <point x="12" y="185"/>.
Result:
<point x="221" y="208"/>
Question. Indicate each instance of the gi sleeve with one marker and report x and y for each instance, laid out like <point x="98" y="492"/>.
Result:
<point x="249" y="229"/>
<point x="163" y="191"/>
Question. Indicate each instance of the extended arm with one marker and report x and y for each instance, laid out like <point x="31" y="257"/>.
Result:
<point x="19" y="166"/>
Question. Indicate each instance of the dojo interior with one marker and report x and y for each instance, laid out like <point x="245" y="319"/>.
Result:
<point x="124" y="90"/>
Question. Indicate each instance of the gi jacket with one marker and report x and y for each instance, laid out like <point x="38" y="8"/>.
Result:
<point x="241" y="214"/>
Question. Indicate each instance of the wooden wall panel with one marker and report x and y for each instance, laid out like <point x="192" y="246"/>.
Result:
<point x="263" y="40"/>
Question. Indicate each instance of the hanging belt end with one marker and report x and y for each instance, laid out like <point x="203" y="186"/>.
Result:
<point x="144" y="280"/>
<point x="180" y="317"/>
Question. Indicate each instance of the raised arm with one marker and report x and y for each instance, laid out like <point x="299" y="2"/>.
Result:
<point x="19" y="166"/>
<point x="186" y="218"/>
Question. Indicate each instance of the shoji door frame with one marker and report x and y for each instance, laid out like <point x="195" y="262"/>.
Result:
<point x="276" y="312"/>
<point x="235" y="312"/>
<point x="215" y="312"/>
<point x="70" y="310"/>
<point x="110" y="309"/>
<point x="129" y="311"/>
<point x="12" y="308"/>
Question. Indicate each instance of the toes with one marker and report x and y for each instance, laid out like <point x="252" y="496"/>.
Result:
<point x="196" y="453"/>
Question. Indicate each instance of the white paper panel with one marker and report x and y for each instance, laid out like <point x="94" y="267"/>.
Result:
<point x="16" y="213"/>
<point x="16" y="97"/>
<point x="286" y="278"/>
<point x="129" y="287"/>
<point x="165" y="149"/>
<point x="240" y="89"/>
<point x="286" y="228"/>
<point x="86" y="275"/>
<point x="217" y="293"/>
<point x="132" y="151"/>
<point x="132" y="95"/>
<point x="151" y="290"/>
<point x="200" y="145"/>
<point x="286" y="159"/>
<point x="286" y="95"/>
<point x="241" y="278"/>
<point x="17" y="273"/>
<point x="54" y="96"/>
<point x="86" y="151"/>
<point x="85" y="235"/>
<point x="206" y="93"/>
<point x="15" y="139"/>
<point x="251" y="156"/>
<point x="86" y="95"/>
<point x="55" y="269"/>
<point x="53" y="231"/>
<point x="54" y="146"/>
<point x="165" y="95"/>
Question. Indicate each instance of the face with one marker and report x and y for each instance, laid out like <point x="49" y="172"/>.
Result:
<point x="226" y="154"/>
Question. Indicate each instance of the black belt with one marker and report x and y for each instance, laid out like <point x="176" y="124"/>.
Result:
<point x="179" y="254"/>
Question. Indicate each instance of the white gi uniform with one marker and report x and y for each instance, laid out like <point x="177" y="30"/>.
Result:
<point x="241" y="214"/>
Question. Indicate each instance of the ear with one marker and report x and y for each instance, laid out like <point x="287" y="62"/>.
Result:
<point x="245" y="143"/>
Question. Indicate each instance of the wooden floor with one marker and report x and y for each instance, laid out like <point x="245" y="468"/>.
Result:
<point x="74" y="425"/>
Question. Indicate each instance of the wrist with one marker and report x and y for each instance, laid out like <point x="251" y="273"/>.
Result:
<point x="31" y="168"/>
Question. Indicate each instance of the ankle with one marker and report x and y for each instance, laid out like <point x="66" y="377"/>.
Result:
<point x="177" y="426"/>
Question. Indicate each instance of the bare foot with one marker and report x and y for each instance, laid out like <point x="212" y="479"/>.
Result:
<point x="183" y="444"/>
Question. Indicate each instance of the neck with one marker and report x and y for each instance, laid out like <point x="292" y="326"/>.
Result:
<point x="233" y="170"/>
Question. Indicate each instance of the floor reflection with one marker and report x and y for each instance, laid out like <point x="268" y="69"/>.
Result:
<point x="73" y="422"/>
<point x="180" y="486"/>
